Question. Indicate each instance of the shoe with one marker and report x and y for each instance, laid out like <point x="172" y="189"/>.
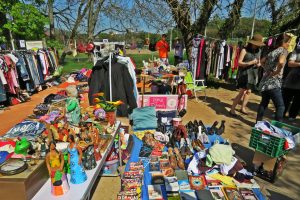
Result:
<point x="200" y="145"/>
<point x="213" y="129"/>
<point x="221" y="129"/>
<point x="172" y="158"/>
<point x="204" y="130"/>
<point x="180" y="161"/>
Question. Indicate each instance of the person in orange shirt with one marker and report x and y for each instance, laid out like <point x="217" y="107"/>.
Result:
<point x="163" y="47"/>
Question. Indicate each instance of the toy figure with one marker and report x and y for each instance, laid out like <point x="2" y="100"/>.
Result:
<point x="72" y="106"/>
<point x="78" y="174"/>
<point x="88" y="158"/>
<point x="94" y="133"/>
<point x="55" y="165"/>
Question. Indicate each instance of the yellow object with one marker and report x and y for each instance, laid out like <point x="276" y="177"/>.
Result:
<point x="225" y="179"/>
<point x="140" y="134"/>
<point x="54" y="132"/>
<point x="192" y="84"/>
<point x="292" y="42"/>
<point x="54" y="161"/>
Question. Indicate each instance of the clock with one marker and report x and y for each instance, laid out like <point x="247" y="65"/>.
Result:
<point x="13" y="166"/>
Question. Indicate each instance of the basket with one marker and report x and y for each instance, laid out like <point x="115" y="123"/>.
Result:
<point x="269" y="144"/>
<point x="57" y="105"/>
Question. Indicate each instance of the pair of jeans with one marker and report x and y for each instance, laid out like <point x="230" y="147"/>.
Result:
<point x="288" y="96"/>
<point x="276" y="96"/>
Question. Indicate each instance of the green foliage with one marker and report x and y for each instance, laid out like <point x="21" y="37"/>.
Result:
<point x="55" y="44"/>
<point x="27" y="22"/>
<point x="242" y="30"/>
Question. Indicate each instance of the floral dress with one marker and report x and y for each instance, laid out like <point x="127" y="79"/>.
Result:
<point x="269" y="82"/>
<point x="88" y="157"/>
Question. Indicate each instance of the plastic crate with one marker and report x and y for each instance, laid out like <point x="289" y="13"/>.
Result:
<point x="269" y="144"/>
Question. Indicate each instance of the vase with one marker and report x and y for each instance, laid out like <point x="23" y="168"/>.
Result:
<point x="110" y="117"/>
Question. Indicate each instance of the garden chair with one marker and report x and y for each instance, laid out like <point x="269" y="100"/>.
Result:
<point x="194" y="85"/>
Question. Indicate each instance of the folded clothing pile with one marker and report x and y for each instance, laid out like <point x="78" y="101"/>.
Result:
<point x="144" y="118"/>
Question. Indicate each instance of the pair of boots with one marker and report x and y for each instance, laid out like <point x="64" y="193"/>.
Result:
<point x="175" y="159"/>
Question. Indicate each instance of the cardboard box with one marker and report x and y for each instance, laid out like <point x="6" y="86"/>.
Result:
<point x="268" y="168"/>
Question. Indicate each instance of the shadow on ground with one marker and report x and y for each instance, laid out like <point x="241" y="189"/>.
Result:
<point x="221" y="108"/>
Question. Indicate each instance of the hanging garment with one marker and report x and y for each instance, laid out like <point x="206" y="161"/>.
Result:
<point x="122" y="85"/>
<point x="200" y="70"/>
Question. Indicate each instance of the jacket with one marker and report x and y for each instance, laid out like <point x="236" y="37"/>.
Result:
<point x="122" y="85"/>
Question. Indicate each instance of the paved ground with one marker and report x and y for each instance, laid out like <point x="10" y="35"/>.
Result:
<point x="215" y="108"/>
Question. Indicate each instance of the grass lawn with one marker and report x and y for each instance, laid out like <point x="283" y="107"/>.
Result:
<point x="81" y="61"/>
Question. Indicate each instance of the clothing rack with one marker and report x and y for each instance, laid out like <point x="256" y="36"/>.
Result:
<point x="290" y="30"/>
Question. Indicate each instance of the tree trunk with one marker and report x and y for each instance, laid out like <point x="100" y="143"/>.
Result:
<point x="233" y="20"/>
<point x="80" y="15"/>
<point x="51" y="19"/>
<point x="93" y="17"/>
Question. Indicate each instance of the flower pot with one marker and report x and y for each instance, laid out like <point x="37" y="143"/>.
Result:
<point x="111" y="117"/>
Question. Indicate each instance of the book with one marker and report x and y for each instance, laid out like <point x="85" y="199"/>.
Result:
<point x="184" y="185"/>
<point x="164" y="164"/>
<point x="247" y="194"/>
<point x="213" y="183"/>
<point x="197" y="182"/>
<point x="157" y="178"/>
<point x="181" y="174"/>
<point x="171" y="184"/>
<point x="136" y="168"/>
<point x="217" y="193"/>
<point x="188" y="195"/>
<point x="154" y="192"/>
<point x="204" y="195"/>
<point x="123" y="196"/>
<point x="154" y="158"/>
<point x="133" y="175"/>
<point x="232" y="193"/>
<point x="154" y="167"/>
<point x="130" y="184"/>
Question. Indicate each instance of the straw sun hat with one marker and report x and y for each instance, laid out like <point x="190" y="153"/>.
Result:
<point x="257" y="40"/>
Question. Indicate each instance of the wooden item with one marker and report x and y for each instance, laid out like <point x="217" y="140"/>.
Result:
<point x="24" y="185"/>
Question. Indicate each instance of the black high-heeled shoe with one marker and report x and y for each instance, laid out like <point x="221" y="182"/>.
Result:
<point x="213" y="129"/>
<point x="221" y="129"/>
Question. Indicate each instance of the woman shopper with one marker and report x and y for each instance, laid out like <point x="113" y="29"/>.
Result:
<point x="291" y="85"/>
<point x="270" y="85"/>
<point x="249" y="60"/>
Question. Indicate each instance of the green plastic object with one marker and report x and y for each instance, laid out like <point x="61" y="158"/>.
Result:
<point x="22" y="146"/>
<point x="57" y="176"/>
<point x="269" y="144"/>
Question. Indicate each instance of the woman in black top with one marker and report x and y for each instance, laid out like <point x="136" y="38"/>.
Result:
<point x="249" y="60"/>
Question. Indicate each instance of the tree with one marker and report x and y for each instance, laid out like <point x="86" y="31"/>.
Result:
<point x="285" y="15"/>
<point x="93" y="15"/>
<point x="233" y="20"/>
<point x="27" y="22"/>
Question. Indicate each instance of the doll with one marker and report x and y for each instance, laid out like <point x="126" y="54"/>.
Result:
<point x="88" y="157"/>
<point x="55" y="165"/>
<point x="78" y="174"/>
<point x="94" y="134"/>
<point x="72" y="106"/>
